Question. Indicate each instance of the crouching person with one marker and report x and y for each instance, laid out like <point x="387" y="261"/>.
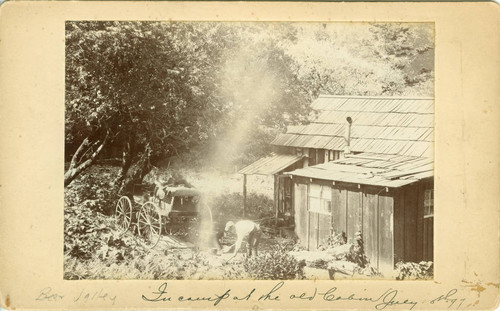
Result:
<point x="245" y="229"/>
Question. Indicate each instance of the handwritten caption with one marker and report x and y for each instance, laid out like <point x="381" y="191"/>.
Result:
<point x="388" y="298"/>
<point x="83" y="297"/>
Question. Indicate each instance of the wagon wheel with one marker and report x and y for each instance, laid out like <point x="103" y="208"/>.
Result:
<point x="123" y="213"/>
<point x="149" y="224"/>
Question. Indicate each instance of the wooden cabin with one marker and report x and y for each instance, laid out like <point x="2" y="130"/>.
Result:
<point x="392" y="131"/>
<point x="388" y="198"/>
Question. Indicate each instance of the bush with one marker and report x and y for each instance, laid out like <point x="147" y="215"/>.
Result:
<point x="230" y="207"/>
<point x="423" y="270"/>
<point x="357" y="255"/>
<point x="275" y="265"/>
<point x="89" y="234"/>
<point x="333" y="241"/>
<point x="155" y="266"/>
<point x="94" y="190"/>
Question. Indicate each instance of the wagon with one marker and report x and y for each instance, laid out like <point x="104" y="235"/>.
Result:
<point x="157" y="210"/>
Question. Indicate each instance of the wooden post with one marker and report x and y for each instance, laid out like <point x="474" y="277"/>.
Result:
<point x="276" y="198"/>
<point x="244" y="195"/>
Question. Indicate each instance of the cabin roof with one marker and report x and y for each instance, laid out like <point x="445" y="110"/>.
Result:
<point x="384" y="125"/>
<point x="372" y="169"/>
<point x="270" y="165"/>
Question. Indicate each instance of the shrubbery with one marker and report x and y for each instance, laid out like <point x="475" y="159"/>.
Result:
<point x="154" y="266"/>
<point x="230" y="207"/>
<point x="356" y="254"/>
<point x="423" y="270"/>
<point x="275" y="265"/>
<point x="94" y="190"/>
<point x="333" y="241"/>
<point x="89" y="235"/>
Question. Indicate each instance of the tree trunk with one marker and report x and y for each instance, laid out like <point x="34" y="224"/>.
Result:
<point x="83" y="158"/>
<point x="127" y="156"/>
<point x="135" y="174"/>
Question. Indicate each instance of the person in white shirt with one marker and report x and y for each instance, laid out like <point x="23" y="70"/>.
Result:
<point x="244" y="229"/>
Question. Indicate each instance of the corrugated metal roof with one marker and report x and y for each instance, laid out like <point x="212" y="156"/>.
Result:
<point x="372" y="169"/>
<point x="271" y="164"/>
<point x="380" y="125"/>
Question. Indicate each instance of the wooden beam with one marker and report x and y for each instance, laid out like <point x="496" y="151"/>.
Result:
<point x="276" y="198"/>
<point x="244" y="195"/>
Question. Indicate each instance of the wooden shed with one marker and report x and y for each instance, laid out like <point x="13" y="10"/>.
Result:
<point x="388" y="198"/>
<point x="275" y="165"/>
<point x="367" y="166"/>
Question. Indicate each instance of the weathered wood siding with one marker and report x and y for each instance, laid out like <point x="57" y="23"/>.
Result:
<point x="319" y="229"/>
<point x="391" y="222"/>
<point x="301" y="218"/>
<point x="370" y="226"/>
<point x="428" y="245"/>
<point x="369" y="212"/>
<point x="413" y="234"/>
<point x="339" y="212"/>
<point x="354" y="213"/>
<point x="386" y="235"/>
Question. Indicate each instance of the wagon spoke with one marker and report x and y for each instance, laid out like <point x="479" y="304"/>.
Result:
<point x="123" y="213"/>
<point x="149" y="224"/>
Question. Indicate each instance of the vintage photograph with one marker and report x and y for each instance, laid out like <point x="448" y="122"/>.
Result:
<point x="249" y="150"/>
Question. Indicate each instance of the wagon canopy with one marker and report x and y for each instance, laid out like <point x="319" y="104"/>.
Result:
<point x="183" y="192"/>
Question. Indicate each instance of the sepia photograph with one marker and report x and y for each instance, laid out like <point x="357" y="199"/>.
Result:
<point x="225" y="155"/>
<point x="248" y="150"/>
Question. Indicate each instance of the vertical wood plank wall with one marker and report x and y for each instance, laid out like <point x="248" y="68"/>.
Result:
<point x="412" y="240"/>
<point x="410" y="221"/>
<point x="370" y="226"/>
<point x="354" y="216"/>
<point x="313" y="231"/>
<point x="319" y="229"/>
<point x="370" y="213"/>
<point x="385" y="238"/>
<point x="301" y="213"/>
<point x="392" y="222"/>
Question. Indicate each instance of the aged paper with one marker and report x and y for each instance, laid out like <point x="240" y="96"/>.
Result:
<point x="32" y="112"/>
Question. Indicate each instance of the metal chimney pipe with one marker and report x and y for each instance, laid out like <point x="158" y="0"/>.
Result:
<point x="348" y="125"/>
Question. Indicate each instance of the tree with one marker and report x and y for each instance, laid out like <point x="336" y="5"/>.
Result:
<point x="140" y="83"/>
<point x="365" y="59"/>
<point x="409" y="49"/>
<point x="155" y="90"/>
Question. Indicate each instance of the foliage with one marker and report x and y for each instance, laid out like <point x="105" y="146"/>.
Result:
<point x="219" y="90"/>
<point x="164" y="88"/>
<point x="230" y="206"/>
<point x="409" y="50"/>
<point x="333" y="241"/>
<point x="275" y="265"/>
<point x="259" y="206"/>
<point x="423" y="270"/>
<point x="94" y="190"/>
<point x="357" y="255"/>
<point x="136" y="80"/>
<point x="154" y="266"/>
<point x="140" y="83"/>
<point x="366" y="59"/>
<point x="91" y="235"/>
